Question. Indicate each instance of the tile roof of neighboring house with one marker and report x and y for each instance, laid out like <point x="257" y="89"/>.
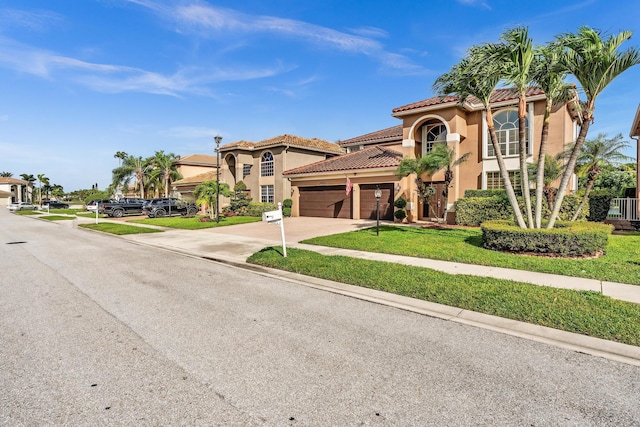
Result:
<point x="11" y="180"/>
<point x="313" y="144"/>
<point x="368" y="158"/>
<point x="197" y="160"/>
<point x="635" y="127"/>
<point x="385" y="135"/>
<point x="197" y="179"/>
<point x="498" y="95"/>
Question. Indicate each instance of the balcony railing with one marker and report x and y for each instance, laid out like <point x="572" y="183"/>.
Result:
<point x="624" y="209"/>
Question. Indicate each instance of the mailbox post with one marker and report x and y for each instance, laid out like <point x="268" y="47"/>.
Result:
<point x="275" y="218"/>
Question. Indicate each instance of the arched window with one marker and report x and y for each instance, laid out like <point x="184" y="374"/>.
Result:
<point x="506" y="127"/>
<point x="266" y="164"/>
<point x="432" y="134"/>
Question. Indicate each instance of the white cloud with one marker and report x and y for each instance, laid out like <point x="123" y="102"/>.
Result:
<point x="37" y="20"/>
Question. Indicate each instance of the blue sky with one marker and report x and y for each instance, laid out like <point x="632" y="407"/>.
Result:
<point x="83" y="79"/>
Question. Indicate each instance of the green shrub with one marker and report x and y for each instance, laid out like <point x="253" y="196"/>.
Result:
<point x="484" y="193"/>
<point x="258" y="208"/>
<point x="286" y="212"/>
<point x="287" y="203"/>
<point x="599" y="203"/>
<point x="400" y="203"/>
<point x="400" y="214"/>
<point x="577" y="238"/>
<point x="474" y="211"/>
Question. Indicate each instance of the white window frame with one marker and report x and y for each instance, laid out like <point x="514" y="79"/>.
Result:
<point x="428" y="140"/>
<point x="486" y="141"/>
<point x="267" y="193"/>
<point x="267" y="167"/>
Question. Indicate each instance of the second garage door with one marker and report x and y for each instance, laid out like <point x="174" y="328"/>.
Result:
<point x="325" y="201"/>
<point x="368" y="201"/>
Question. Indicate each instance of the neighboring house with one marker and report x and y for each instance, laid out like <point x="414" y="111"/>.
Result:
<point x="14" y="190"/>
<point x="424" y="123"/>
<point x="194" y="169"/>
<point x="260" y="165"/>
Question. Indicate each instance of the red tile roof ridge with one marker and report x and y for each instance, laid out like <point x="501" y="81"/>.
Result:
<point x="367" y="158"/>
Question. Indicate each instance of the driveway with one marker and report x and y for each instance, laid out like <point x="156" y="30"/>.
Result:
<point x="237" y="242"/>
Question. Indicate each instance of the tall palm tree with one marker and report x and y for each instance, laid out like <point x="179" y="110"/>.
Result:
<point x="517" y="53"/>
<point x="595" y="62"/>
<point x="553" y="169"/>
<point x="595" y="155"/>
<point x="120" y="155"/>
<point x="42" y="179"/>
<point x="133" y="167"/>
<point x="206" y="194"/>
<point x="549" y="74"/>
<point x="478" y="75"/>
<point x="165" y="170"/>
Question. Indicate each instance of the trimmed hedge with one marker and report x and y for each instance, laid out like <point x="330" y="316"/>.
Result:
<point x="599" y="203"/>
<point x="473" y="211"/>
<point x="484" y="193"/>
<point x="568" y="239"/>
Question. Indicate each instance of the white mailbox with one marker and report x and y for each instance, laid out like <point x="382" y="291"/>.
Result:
<point x="272" y="216"/>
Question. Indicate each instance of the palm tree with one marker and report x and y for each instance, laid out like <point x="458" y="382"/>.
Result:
<point x="553" y="169"/>
<point x="120" y="155"/>
<point x="133" y="167"/>
<point x="478" y="75"/>
<point x="206" y="193"/>
<point x="549" y="74"/>
<point x="6" y="174"/>
<point x="42" y="179"/>
<point x="441" y="157"/>
<point x="594" y="62"/>
<point x="165" y="170"/>
<point x="517" y="54"/>
<point x="595" y="155"/>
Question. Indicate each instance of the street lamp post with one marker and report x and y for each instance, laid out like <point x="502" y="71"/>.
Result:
<point x="218" y="139"/>
<point x="378" y="194"/>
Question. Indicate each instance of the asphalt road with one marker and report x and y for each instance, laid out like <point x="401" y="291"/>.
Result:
<point x="95" y="330"/>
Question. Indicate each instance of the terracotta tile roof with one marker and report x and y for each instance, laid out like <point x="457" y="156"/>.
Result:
<point x="197" y="179"/>
<point x="385" y="135"/>
<point x="498" y="95"/>
<point x="197" y="159"/>
<point x="11" y="180"/>
<point x="314" y="144"/>
<point x="368" y="158"/>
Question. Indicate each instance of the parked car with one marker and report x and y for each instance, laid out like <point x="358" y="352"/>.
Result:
<point x="21" y="206"/>
<point x="169" y="206"/>
<point x="54" y="204"/>
<point x="92" y="205"/>
<point x="125" y="206"/>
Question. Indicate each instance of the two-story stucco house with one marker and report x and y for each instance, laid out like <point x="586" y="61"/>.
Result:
<point x="14" y="190"/>
<point x="372" y="159"/>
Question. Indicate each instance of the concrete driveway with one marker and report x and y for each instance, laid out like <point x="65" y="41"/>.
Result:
<point x="236" y="243"/>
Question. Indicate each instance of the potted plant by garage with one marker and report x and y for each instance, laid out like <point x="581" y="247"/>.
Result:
<point x="400" y="214"/>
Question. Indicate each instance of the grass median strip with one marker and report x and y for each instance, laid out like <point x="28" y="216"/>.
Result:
<point x="119" y="229"/>
<point x="586" y="313"/>
<point x="195" y="223"/>
<point x="57" y="217"/>
<point x="620" y="264"/>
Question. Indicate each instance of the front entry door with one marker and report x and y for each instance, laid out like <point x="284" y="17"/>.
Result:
<point x="434" y="206"/>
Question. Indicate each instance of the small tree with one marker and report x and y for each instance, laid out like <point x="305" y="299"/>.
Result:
<point x="207" y="192"/>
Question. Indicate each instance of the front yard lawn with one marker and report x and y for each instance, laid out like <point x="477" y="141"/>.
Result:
<point x="587" y="313"/>
<point x="194" y="223"/>
<point x="620" y="264"/>
<point x="57" y="217"/>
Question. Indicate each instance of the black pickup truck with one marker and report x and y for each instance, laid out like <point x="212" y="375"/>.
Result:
<point x="126" y="206"/>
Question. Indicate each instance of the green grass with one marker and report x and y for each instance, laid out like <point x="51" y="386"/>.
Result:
<point x="57" y="217"/>
<point x="194" y="223"/>
<point x="621" y="263"/>
<point x="62" y="211"/>
<point x="586" y="313"/>
<point x="85" y="214"/>
<point x="28" y="212"/>
<point x="119" y="229"/>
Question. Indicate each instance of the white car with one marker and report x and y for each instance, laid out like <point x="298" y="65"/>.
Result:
<point x="21" y="206"/>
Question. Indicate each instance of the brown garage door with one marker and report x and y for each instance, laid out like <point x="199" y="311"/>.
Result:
<point x="325" y="202"/>
<point x="368" y="201"/>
